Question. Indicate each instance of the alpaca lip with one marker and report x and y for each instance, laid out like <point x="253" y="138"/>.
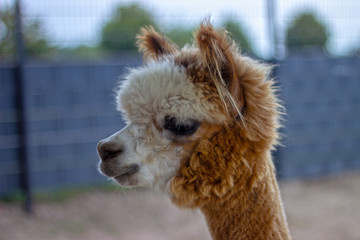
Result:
<point x="128" y="170"/>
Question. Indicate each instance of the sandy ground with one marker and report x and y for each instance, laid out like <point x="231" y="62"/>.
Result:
<point x="327" y="208"/>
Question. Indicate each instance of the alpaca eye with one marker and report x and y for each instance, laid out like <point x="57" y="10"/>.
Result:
<point x="181" y="128"/>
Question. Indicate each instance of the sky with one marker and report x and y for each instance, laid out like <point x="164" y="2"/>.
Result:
<point x="74" y="22"/>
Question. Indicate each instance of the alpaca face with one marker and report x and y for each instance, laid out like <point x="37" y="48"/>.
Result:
<point x="165" y="113"/>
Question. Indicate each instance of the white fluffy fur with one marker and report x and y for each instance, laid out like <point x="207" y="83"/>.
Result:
<point x="151" y="153"/>
<point x="163" y="88"/>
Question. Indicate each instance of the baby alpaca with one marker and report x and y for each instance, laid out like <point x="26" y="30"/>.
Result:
<point x="201" y="124"/>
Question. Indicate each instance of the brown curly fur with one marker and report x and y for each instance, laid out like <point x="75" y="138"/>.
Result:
<point x="232" y="180"/>
<point x="228" y="172"/>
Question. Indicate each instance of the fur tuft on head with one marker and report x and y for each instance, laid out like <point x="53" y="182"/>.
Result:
<point x="243" y="85"/>
<point x="154" y="45"/>
<point x="217" y="50"/>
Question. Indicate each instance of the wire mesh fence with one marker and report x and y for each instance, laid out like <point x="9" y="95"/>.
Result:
<point x="64" y="29"/>
<point x="70" y="105"/>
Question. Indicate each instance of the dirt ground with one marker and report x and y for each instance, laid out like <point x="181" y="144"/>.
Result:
<point x="327" y="208"/>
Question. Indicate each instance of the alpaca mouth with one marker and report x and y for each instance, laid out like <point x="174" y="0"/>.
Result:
<point x="111" y="171"/>
<point x="127" y="171"/>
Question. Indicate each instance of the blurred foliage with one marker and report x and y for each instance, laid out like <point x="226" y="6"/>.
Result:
<point x="119" y="32"/>
<point x="306" y="31"/>
<point x="117" y="35"/>
<point x="238" y="34"/>
<point x="80" y="52"/>
<point x="179" y="35"/>
<point x="182" y="36"/>
<point x="35" y="39"/>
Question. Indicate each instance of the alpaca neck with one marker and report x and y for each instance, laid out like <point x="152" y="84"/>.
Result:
<point x="251" y="212"/>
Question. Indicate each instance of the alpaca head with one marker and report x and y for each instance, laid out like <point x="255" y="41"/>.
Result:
<point x="187" y="111"/>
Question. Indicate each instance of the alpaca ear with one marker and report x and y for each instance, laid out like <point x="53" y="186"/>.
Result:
<point x="153" y="45"/>
<point x="217" y="51"/>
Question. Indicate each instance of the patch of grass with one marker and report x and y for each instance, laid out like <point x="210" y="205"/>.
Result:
<point x="61" y="194"/>
<point x="65" y="193"/>
<point x="15" y="197"/>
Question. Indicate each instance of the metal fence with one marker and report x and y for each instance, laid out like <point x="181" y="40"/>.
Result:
<point x="64" y="109"/>
<point x="71" y="107"/>
<point x="322" y="127"/>
<point x="69" y="23"/>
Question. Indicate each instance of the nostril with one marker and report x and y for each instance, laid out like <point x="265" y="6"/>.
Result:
<point x="109" y="150"/>
<point x="107" y="155"/>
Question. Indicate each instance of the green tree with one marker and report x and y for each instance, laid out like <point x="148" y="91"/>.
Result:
<point x="238" y="33"/>
<point x="119" y="33"/>
<point x="35" y="39"/>
<point x="182" y="36"/>
<point x="306" y="31"/>
<point x="179" y="35"/>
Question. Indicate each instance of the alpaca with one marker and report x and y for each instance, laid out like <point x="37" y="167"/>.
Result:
<point x="201" y="124"/>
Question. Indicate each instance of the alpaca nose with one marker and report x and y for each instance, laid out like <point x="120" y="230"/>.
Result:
<point x="109" y="150"/>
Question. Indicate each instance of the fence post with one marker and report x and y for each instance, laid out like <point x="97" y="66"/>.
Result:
<point x="24" y="175"/>
<point x="276" y="47"/>
<point x="278" y="161"/>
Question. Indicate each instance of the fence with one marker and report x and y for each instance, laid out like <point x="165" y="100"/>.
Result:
<point x="71" y="107"/>
<point x="322" y="128"/>
<point x="69" y="23"/>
